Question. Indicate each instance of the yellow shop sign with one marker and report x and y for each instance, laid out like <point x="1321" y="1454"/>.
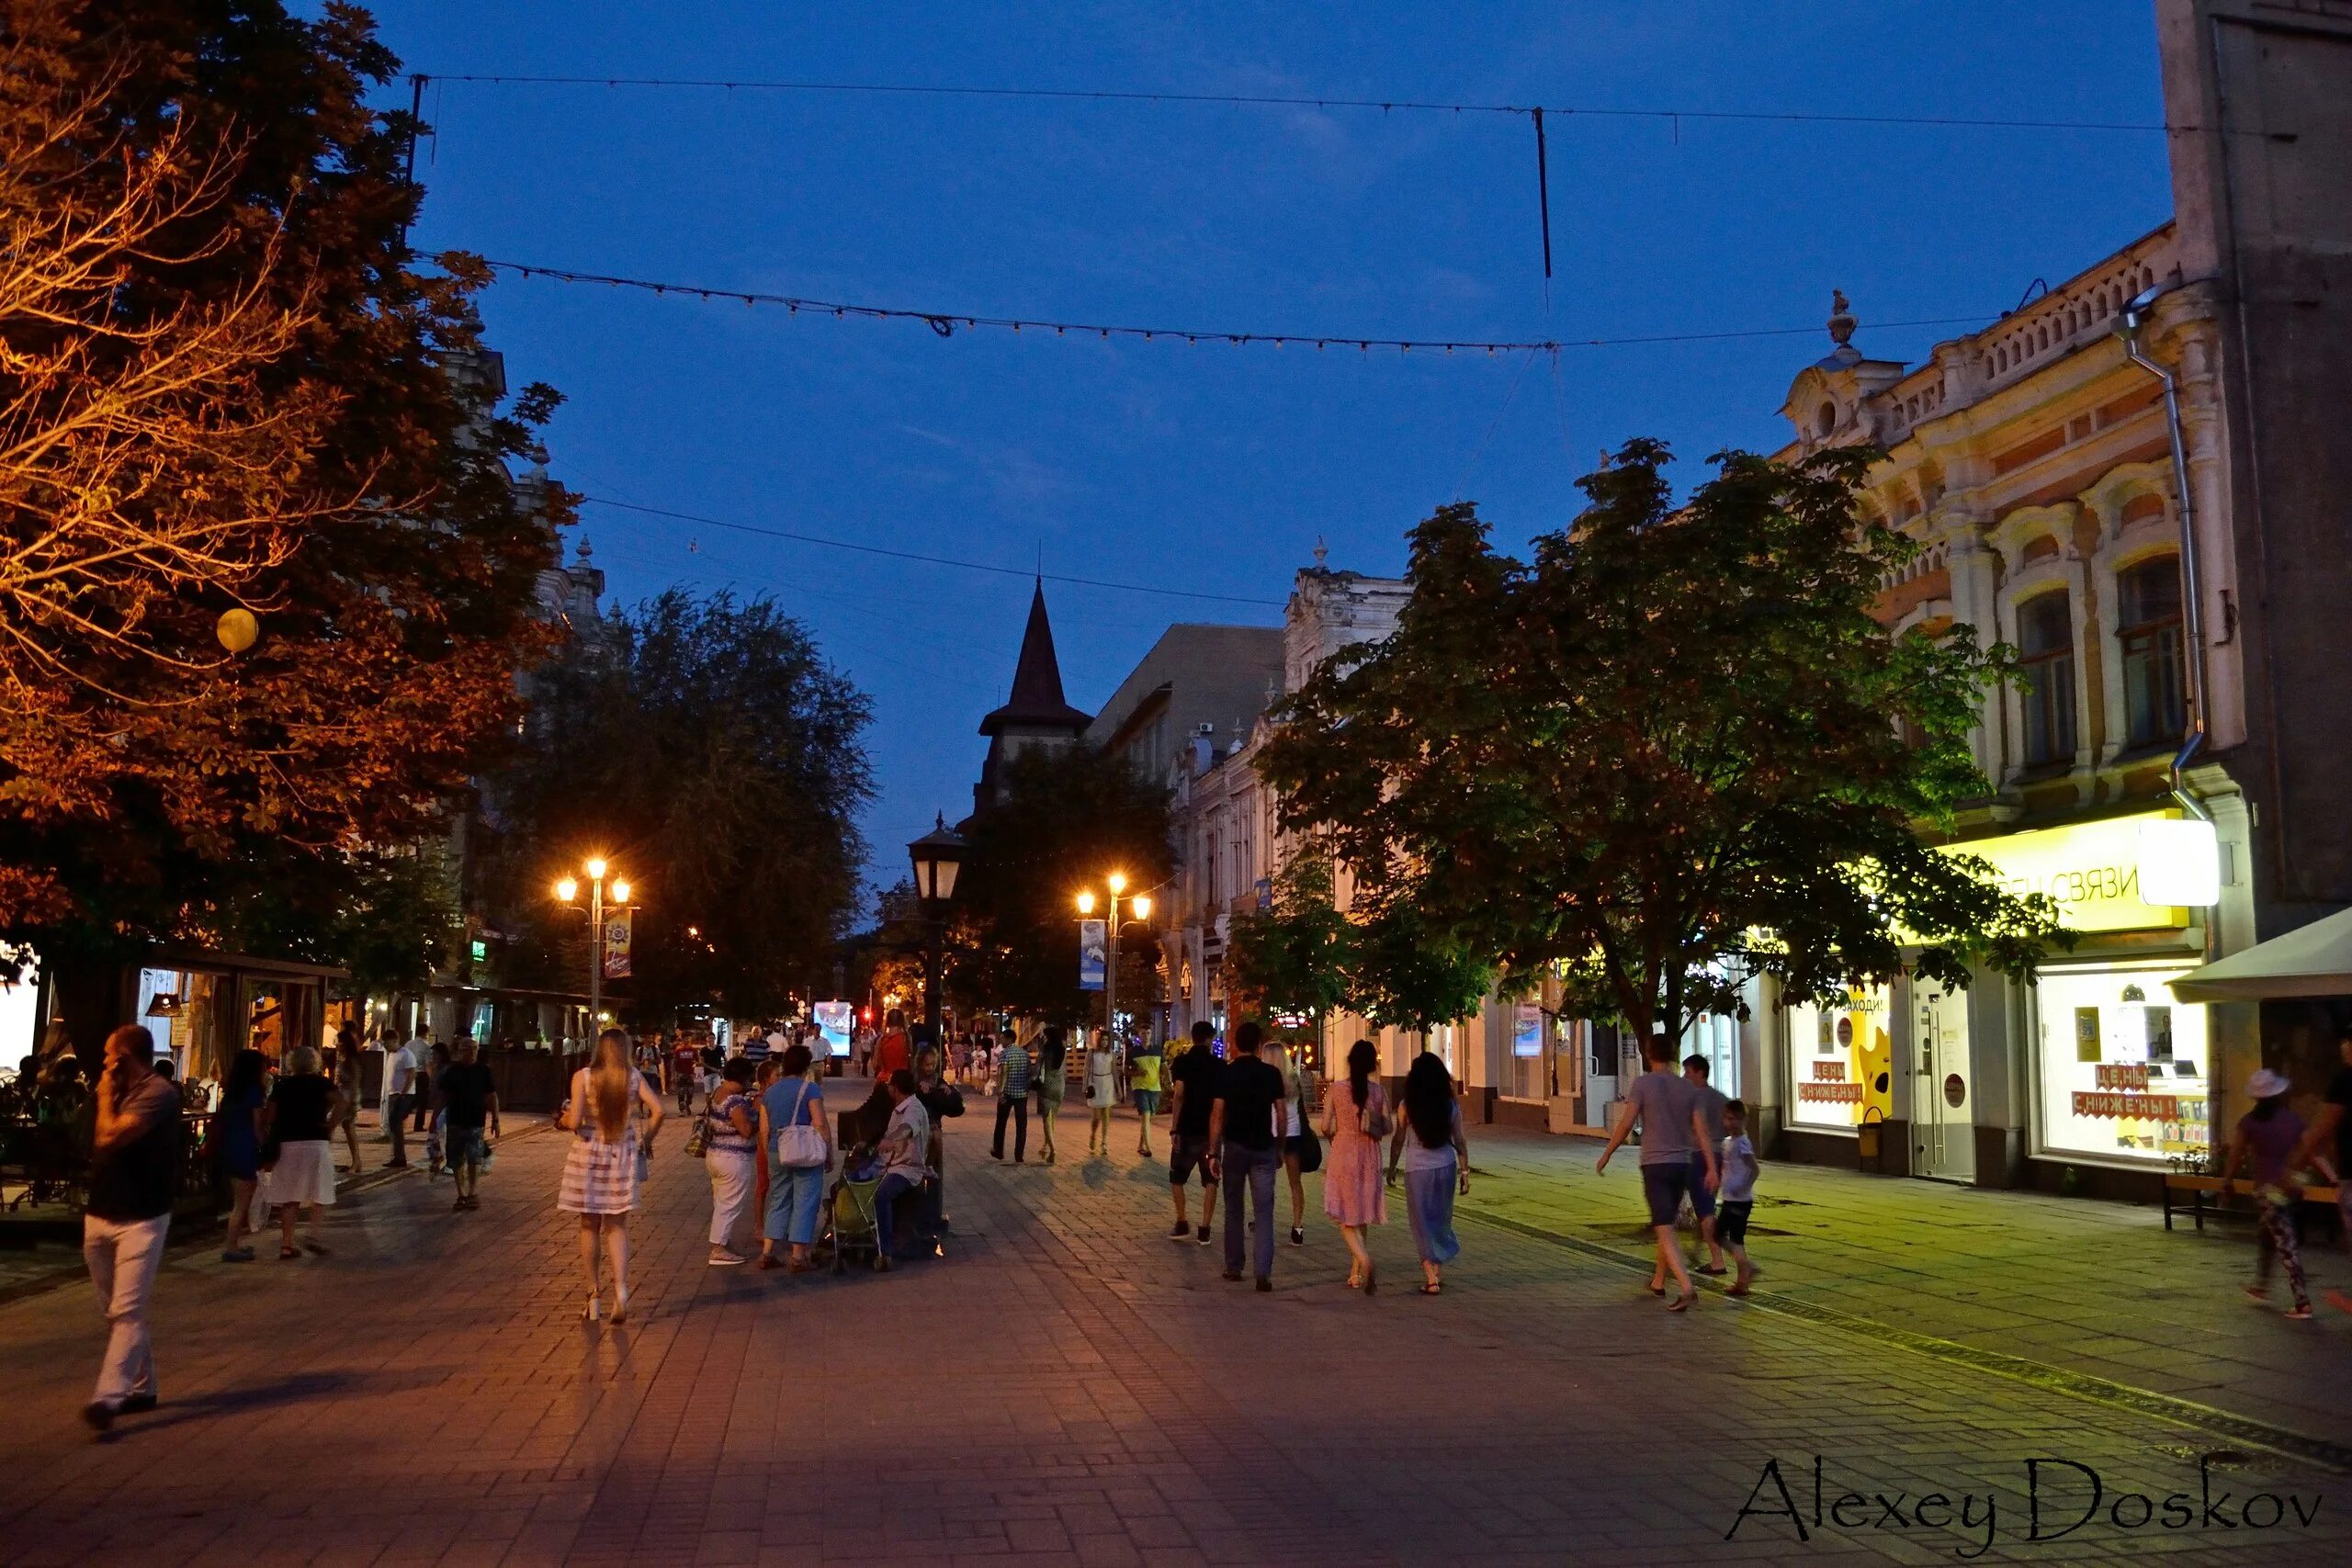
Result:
<point x="2090" y="869"/>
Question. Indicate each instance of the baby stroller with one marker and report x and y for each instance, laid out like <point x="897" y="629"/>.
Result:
<point x="849" y="1225"/>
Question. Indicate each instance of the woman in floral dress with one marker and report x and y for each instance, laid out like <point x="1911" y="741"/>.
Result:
<point x="1355" y="1118"/>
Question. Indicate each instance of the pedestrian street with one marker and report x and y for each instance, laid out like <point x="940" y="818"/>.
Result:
<point x="1065" y="1386"/>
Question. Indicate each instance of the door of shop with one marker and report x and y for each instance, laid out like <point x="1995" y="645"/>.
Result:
<point x="1942" y="1102"/>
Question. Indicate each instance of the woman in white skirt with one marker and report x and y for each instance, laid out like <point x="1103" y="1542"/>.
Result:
<point x="602" y="1169"/>
<point x="297" y="1160"/>
<point x="1102" y="1092"/>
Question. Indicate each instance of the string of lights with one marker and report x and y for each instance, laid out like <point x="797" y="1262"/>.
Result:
<point x="946" y="323"/>
<point x="919" y="557"/>
<point x="1273" y="100"/>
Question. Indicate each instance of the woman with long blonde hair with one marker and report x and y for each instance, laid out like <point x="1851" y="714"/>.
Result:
<point x="600" y="1171"/>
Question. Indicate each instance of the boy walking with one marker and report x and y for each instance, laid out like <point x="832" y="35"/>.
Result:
<point x="1737" y="1159"/>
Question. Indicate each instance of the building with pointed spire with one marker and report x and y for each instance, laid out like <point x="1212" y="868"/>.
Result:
<point x="1036" y="714"/>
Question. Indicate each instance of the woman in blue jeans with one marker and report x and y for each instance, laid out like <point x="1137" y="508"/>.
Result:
<point x="794" y="1190"/>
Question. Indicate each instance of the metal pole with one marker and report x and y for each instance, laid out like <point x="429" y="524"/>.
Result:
<point x="1111" y="976"/>
<point x="595" y="960"/>
<point x="932" y="959"/>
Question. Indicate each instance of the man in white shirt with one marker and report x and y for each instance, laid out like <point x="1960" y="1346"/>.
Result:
<point x="399" y="1094"/>
<point x="904" y="1142"/>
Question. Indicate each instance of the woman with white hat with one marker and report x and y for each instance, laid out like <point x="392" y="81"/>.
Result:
<point x="2270" y="1133"/>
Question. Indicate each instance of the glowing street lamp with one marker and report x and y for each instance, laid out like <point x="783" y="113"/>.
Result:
<point x="1140" y="907"/>
<point x="567" y="890"/>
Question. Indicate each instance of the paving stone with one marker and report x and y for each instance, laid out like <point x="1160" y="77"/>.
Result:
<point x="1066" y="1387"/>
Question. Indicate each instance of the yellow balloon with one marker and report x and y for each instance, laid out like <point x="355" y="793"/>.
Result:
<point x="237" y="629"/>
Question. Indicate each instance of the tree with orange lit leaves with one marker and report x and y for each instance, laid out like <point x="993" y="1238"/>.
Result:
<point x="225" y="383"/>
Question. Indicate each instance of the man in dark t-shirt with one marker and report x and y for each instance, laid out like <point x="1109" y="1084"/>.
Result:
<point x="1191" y="1079"/>
<point x="1244" y="1135"/>
<point x="469" y="1102"/>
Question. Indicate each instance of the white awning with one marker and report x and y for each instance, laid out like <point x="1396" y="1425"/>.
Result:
<point x="2311" y="960"/>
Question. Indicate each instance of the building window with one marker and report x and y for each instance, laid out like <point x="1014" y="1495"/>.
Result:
<point x="2046" y="641"/>
<point x="2124" y="1069"/>
<point x="2148" y="625"/>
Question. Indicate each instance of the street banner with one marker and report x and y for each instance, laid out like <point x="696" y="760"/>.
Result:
<point x="1093" y="944"/>
<point x="618" y="934"/>
<point x="1527" y="1031"/>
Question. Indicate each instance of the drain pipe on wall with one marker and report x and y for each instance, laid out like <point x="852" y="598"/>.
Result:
<point x="2135" y="316"/>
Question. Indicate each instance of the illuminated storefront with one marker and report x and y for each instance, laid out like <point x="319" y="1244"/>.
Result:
<point x="2093" y="1065"/>
<point x="2124" y="1069"/>
<point x="1840" y="1061"/>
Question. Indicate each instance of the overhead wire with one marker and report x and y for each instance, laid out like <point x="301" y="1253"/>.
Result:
<point x="918" y="556"/>
<point x="1280" y="100"/>
<point x="946" y="323"/>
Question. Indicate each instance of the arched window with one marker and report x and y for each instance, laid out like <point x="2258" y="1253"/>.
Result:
<point x="2046" y="643"/>
<point x="2148" y="625"/>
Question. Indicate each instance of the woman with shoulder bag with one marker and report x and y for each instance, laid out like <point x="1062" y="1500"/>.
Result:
<point x="1355" y="1118"/>
<point x="800" y="1140"/>
<point x="728" y="1134"/>
<point x="1302" y="1151"/>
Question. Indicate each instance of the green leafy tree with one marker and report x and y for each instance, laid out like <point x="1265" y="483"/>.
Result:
<point x="706" y="748"/>
<point x="1295" y="957"/>
<point x="1670" y="752"/>
<point x="1069" y="818"/>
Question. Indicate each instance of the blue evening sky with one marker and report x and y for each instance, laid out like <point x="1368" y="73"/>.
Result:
<point x="1212" y="468"/>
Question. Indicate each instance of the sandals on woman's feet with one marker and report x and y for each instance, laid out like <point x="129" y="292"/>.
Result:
<point x="1432" y="1288"/>
<point x="1683" y="1301"/>
<point x="285" y="1253"/>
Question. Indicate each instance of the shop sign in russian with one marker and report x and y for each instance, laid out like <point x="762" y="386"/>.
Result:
<point x="2091" y="869"/>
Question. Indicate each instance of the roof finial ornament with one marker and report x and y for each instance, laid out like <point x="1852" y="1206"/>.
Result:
<point x="1841" y="318"/>
<point x="1322" y="551"/>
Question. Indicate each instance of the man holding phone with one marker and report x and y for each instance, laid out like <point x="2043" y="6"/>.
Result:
<point x="133" y="1160"/>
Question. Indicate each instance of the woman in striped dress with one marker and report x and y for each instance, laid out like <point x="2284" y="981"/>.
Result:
<point x="600" y="1171"/>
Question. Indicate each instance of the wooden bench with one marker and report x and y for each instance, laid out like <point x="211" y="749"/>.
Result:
<point x="2197" y="1186"/>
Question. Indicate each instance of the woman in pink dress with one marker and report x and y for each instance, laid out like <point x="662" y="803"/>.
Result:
<point x="1355" y="1118"/>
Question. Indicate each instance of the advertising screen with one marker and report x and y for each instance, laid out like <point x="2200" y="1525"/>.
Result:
<point x="833" y="1020"/>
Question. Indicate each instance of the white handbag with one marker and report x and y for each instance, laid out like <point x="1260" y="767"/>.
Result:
<point x="800" y="1146"/>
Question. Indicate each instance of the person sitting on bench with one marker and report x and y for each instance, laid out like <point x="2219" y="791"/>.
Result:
<point x="903" y="1171"/>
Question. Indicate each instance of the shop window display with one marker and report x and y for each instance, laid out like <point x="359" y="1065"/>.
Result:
<point x="1841" y="1057"/>
<point x="2123" y="1068"/>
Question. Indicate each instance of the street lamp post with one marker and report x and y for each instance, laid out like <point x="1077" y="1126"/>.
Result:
<point x="937" y="856"/>
<point x="567" y="888"/>
<point x="1140" y="905"/>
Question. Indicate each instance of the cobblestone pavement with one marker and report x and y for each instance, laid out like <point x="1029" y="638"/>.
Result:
<point x="1065" y="1387"/>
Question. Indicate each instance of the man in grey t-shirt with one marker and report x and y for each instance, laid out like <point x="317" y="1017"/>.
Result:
<point x="1709" y="1101"/>
<point x="1674" y="1149"/>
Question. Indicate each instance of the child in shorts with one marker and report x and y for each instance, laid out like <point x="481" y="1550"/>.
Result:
<point x="1737" y="1198"/>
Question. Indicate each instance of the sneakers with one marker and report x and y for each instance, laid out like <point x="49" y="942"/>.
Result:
<point x="1202" y="1235"/>
<point x="2299" y="1312"/>
<point x="1298" y="1236"/>
<point x="1183" y="1231"/>
<point x="1265" y="1284"/>
<point x="723" y="1258"/>
<point x="1233" y="1276"/>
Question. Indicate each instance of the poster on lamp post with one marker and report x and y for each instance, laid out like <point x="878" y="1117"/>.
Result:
<point x="1093" y="942"/>
<point x="618" y="935"/>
